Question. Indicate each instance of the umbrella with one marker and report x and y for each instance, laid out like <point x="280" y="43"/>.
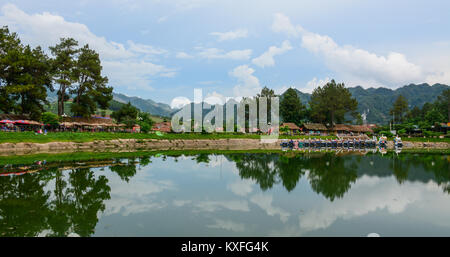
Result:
<point x="6" y="121"/>
<point x="21" y="122"/>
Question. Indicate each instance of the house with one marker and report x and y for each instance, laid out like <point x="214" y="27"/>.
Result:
<point x="314" y="128"/>
<point x="163" y="127"/>
<point x="293" y="129"/>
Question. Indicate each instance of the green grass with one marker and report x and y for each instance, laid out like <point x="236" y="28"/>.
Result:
<point x="31" y="137"/>
<point x="421" y="139"/>
<point x="62" y="158"/>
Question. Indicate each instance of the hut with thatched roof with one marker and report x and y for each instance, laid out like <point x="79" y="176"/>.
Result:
<point x="293" y="129"/>
<point x="314" y="128"/>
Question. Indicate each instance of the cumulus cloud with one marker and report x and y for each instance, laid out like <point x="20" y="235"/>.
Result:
<point x="248" y="84"/>
<point x="179" y="101"/>
<point x="122" y="62"/>
<point x="264" y="201"/>
<point x="314" y="83"/>
<point x="215" y="53"/>
<point x="354" y="63"/>
<point x="266" y="59"/>
<point x="230" y="35"/>
<point x="183" y="55"/>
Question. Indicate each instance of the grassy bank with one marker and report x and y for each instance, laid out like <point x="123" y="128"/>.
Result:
<point x="31" y="137"/>
<point x="98" y="156"/>
<point x="80" y="137"/>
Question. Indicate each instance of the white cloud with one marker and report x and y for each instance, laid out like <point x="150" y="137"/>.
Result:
<point x="281" y="23"/>
<point x="230" y="35"/>
<point x="122" y="63"/>
<point x="266" y="59"/>
<point x="264" y="201"/>
<point x="241" y="187"/>
<point x="214" y="53"/>
<point x="145" y="49"/>
<point x="214" y="98"/>
<point x="312" y="84"/>
<point x="212" y="206"/>
<point x="353" y="63"/>
<point x="179" y="101"/>
<point x="228" y="225"/>
<point x="370" y="194"/>
<point x="248" y="83"/>
<point x="133" y="74"/>
<point x="183" y="55"/>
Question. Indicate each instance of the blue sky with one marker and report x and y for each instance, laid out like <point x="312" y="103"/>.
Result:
<point x="164" y="49"/>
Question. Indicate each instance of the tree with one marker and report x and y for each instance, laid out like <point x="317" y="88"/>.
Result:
<point x="9" y="54"/>
<point x="127" y="114"/>
<point x="25" y="76"/>
<point x="145" y="121"/>
<point x="91" y="89"/>
<point x="291" y="109"/>
<point x="434" y="116"/>
<point x="443" y="103"/>
<point x="399" y="108"/>
<point x="331" y="102"/>
<point x="63" y="66"/>
<point x="50" y="118"/>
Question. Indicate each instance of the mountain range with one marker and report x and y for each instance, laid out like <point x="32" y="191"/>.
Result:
<point x="375" y="102"/>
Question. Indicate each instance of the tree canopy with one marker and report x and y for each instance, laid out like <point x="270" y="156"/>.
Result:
<point x="24" y="76"/>
<point x="291" y="109"/>
<point x="331" y="102"/>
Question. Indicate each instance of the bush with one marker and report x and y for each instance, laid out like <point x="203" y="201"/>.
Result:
<point x="386" y="133"/>
<point x="50" y="118"/>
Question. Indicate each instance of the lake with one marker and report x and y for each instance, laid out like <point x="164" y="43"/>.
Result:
<point x="228" y="194"/>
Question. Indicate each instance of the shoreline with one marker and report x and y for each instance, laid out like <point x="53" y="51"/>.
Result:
<point x="7" y="149"/>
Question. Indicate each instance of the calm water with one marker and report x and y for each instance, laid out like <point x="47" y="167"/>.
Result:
<point x="230" y="195"/>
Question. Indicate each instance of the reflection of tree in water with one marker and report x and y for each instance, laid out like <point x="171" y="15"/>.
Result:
<point x="24" y="205"/>
<point x="202" y="157"/>
<point x="331" y="180"/>
<point x="434" y="167"/>
<point x="258" y="167"/>
<point x="330" y="176"/>
<point x="27" y="209"/>
<point x="125" y="170"/>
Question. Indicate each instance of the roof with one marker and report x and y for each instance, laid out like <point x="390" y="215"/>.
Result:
<point x="352" y="128"/>
<point x="315" y="126"/>
<point x="290" y="125"/>
<point x="162" y="126"/>
<point x="88" y="121"/>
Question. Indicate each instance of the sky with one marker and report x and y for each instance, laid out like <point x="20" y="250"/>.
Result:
<point x="163" y="50"/>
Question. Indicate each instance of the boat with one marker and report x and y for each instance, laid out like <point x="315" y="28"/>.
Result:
<point x="398" y="142"/>
<point x="382" y="142"/>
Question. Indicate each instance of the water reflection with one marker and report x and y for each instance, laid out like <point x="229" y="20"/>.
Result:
<point x="70" y="198"/>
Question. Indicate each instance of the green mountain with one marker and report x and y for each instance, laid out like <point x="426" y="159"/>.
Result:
<point x="146" y="105"/>
<point x="377" y="102"/>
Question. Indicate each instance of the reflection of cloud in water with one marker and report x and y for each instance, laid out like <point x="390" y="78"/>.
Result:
<point x="211" y="206"/>
<point x="264" y="201"/>
<point x="228" y="225"/>
<point x="370" y="194"/>
<point x="181" y="203"/>
<point x="241" y="187"/>
<point x="137" y="195"/>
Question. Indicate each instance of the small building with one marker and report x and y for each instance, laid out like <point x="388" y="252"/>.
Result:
<point x="293" y="129"/>
<point x="314" y="128"/>
<point x="162" y="127"/>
